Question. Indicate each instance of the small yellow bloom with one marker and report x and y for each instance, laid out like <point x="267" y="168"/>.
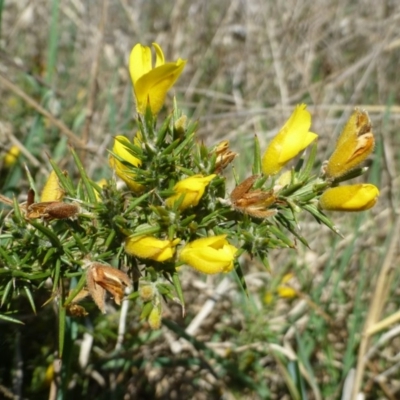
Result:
<point x="151" y="247"/>
<point x="210" y="255"/>
<point x="283" y="290"/>
<point x="293" y="138"/>
<point x="123" y="171"/>
<point x="192" y="189"/>
<point x="52" y="190"/>
<point x="10" y="158"/>
<point x="151" y="84"/>
<point x="358" y="197"/>
<point x="154" y="318"/>
<point x="354" y="145"/>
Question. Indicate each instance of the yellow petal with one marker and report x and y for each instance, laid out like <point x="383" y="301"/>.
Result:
<point x="210" y="255"/>
<point x="52" y="190"/>
<point x="123" y="171"/>
<point x="139" y="62"/>
<point x="11" y="156"/>
<point x="293" y="138"/>
<point x="192" y="190"/>
<point x="355" y="144"/>
<point x="160" y="60"/>
<point x="122" y="151"/>
<point x="151" y="247"/>
<point x="349" y="198"/>
<point x="153" y="86"/>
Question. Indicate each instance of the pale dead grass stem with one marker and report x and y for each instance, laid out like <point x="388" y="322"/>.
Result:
<point x="93" y="86"/>
<point x="34" y="104"/>
<point x="377" y="304"/>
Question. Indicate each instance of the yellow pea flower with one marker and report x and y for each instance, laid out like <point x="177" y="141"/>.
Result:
<point x="151" y="84"/>
<point x="210" y="255"/>
<point x="52" y="191"/>
<point x="192" y="189"/>
<point x="10" y="158"/>
<point x="283" y="290"/>
<point x="151" y="247"/>
<point x="293" y="138"/>
<point x="358" y="197"/>
<point x="123" y="171"/>
<point x="354" y="145"/>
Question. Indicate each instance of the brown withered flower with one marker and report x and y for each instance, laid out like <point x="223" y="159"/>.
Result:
<point x="50" y="210"/>
<point x="101" y="278"/>
<point x="253" y="202"/>
<point x="75" y="310"/>
<point x="224" y="155"/>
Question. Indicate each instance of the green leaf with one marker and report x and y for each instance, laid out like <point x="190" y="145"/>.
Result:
<point x="10" y="319"/>
<point x="79" y="286"/>
<point x="6" y="292"/>
<point x="61" y="322"/>
<point x="65" y="181"/>
<point x="257" y="167"/>
<point x="306" y="172"/>
<point x="178" y="287"/>
<point x="30" y="298"/>
<point x="47" y="232"/>
<point x="146" y="310"/>
<point x="56" y="275"/>
<point x="86" y="181"/>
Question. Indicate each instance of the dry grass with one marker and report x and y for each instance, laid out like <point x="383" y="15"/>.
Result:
<point x="249" y="63"/>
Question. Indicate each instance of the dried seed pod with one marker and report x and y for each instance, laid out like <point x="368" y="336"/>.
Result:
<point x="101" y="278"/>
<point x="253" y="202"/>
<point x="52" y="210"/>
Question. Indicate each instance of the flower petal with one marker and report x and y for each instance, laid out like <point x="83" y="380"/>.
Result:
<point x="153" y="86"/>
<point x="139" y="62"/>
<point x="349" y="198"/>
<point x="293" y="138"/>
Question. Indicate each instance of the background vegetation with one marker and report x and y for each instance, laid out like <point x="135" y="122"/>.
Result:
<point x="63" y="68"/>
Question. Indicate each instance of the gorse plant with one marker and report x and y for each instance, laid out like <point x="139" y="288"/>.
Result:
<point x="168" y="207"/>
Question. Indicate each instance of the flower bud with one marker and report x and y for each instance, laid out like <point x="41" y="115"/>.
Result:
<point x="349" y="198"/>
<point x="154" y="318"/>
<point x="354" y="145"/>
<point x="191" y="189"/>
<point x="146" y="292"/>
<point x="151" y="247"/>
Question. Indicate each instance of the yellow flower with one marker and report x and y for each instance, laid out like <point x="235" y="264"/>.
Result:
<point x="354" y="145"/>
<point x="151" y="84"/>
<point x="123" y="171"/>
<point x="283" y="290"/>
<point x="358" y="197"/>
<point x="192" y="190"/>
<point x="210" y="255"/>
<point x="293" y="138"/>
<point x="52" y="191"/>
<point x="150" y="247"/>
<point x="10" y="158"/>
